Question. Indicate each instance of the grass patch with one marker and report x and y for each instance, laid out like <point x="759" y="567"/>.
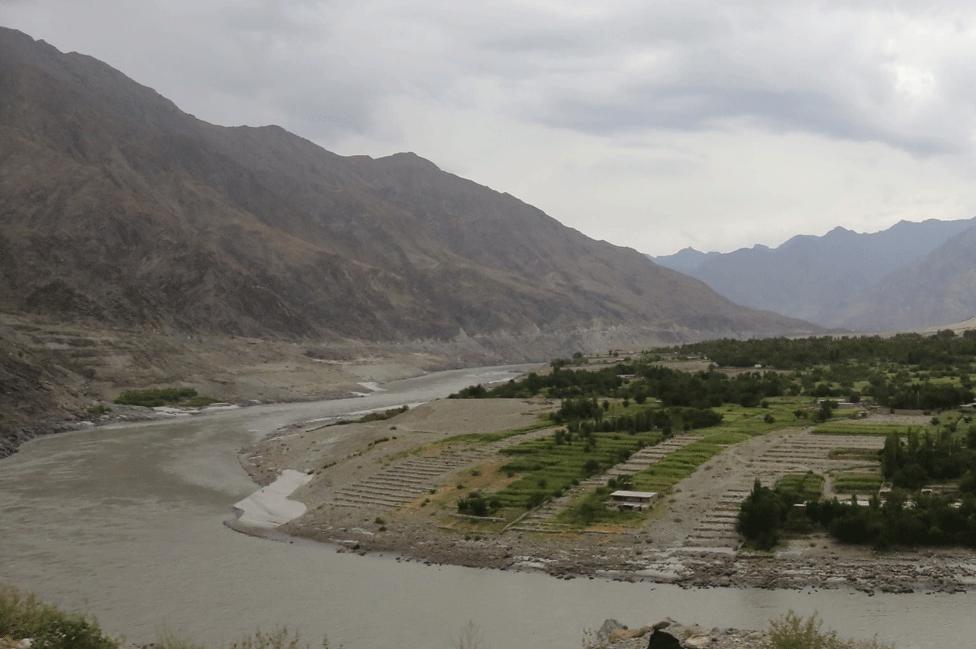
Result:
<point x="592" y="509"/>
<point x="779" y="413"/>
<point x="794" y="632"/>
<point x="677" y="466"/>
<point x="547" y="469"/>
<point x="155" y="397"/>
<point x="857" y="483"/>
<point x="25" y="616"/>
<point x="805" y="486"/>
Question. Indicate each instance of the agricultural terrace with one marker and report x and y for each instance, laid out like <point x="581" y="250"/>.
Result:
<point x="613" y="416"/>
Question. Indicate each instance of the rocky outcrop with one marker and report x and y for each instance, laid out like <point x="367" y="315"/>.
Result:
<point x="668" y="634"/>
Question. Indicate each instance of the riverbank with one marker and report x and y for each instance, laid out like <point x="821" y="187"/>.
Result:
<point x="124" y="522"/>
<point x="390" y="487"/>
<point x="59" y="377"/>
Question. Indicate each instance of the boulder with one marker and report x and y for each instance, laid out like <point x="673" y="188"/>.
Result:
<point x="662" y="640"/>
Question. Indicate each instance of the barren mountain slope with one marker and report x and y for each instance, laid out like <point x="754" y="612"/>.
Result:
<point x="119" y="208"/>
<point x="939" y="289"/>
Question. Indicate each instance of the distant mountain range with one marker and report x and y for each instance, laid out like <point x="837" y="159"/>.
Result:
<point x="119" y="208"/>
<point x="912" y="275"/>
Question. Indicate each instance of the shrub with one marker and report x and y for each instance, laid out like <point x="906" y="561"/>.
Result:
<point x="794" y="632"/>
<point x="24" y="616"/>
<point x="155" y="397"/>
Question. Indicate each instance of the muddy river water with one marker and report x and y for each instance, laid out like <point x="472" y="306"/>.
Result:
<point x="125" y="522"/>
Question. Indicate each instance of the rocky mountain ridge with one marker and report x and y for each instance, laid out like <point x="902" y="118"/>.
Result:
<point x="912" y="275"/>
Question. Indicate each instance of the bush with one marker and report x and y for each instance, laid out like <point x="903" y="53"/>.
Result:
<point x="24" y="616"/>
<point x="794" y="632"/>
<point x="155" y="397"/>
<point x="476" y="504"/>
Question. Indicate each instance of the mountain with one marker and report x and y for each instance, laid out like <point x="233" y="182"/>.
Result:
<point x="833" y="279"/>
<point x="118" y="208"/>
<point x="938" y="289"/>
<point x="685" y="260"/>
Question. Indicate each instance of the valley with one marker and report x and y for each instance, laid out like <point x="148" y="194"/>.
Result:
<point x="507" y="478"/>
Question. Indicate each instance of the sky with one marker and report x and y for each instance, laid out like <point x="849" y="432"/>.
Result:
<point x="655" y="125"/>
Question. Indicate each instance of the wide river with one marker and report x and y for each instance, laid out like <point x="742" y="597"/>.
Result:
<point x="125" y="522"/>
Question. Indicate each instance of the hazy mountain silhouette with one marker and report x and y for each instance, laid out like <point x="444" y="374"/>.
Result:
<point x="848" y="279"/>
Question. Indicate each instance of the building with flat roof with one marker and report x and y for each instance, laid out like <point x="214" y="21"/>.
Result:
<point x="632" y="500"/>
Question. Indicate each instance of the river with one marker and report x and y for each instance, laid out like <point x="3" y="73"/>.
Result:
<point x="125" y="522"/>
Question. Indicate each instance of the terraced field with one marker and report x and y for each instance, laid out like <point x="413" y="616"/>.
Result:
<point x="806" y="486"/>
<point x="857" y="482"/>
<point x="547" y="469"/>
<point x="865" y="427"/>
<point x="783" y="458"/>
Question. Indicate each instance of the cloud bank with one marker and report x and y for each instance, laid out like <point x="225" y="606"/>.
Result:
<point x="650" y="124"/>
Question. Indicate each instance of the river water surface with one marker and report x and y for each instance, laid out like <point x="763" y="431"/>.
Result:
<point x="125" y="522"/>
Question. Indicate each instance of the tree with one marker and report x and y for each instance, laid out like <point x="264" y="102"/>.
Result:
<point x="761" y="517"/>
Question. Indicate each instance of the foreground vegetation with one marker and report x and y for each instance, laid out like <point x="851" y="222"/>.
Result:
<point x="156" y="397"/>
<point x="24" y="616"/>
<point x="794" y="632"/>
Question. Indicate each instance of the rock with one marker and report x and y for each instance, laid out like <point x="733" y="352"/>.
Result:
<point x="608" y="628"/>
<point x="662" y="640"/>
<point x="698" y="641"/>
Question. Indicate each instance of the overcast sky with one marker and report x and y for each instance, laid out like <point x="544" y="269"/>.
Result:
<point x="656" y="125"/>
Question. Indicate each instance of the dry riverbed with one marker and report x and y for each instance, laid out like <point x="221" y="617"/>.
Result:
<point x="390" y="486"/>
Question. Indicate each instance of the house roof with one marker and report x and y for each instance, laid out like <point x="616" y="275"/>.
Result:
<point x="634" y="494"/>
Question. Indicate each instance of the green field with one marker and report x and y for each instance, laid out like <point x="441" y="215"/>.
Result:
<point x="592" y="509"/>
<point x="857" y="482"/>
<point x="753" y="421"/>
<point x="677" y="466"/>
<point x="546" y="469"/>
<point x="805" y="486"/>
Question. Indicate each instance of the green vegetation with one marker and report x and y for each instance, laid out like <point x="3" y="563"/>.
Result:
<point x="638" y="381"/>
<point x="903" y="519"/>
<point x="762" y="516"/>
<point x="801" y="486"/>
<point x="97" y="410"/>
<point x="919" y="460"/>
<point x="592" y="509"/>
<point x="909" y="371"/>
<point x="155" y="397"/>
<point x="899" y="521"/>
<point x="677" y="466"/>
<point x="794" y="632"/>
<point x="23" y="616"/>
<point x="857" y="482"/>
<point x="376" y="416"/>
<point x="548" y="467"/>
